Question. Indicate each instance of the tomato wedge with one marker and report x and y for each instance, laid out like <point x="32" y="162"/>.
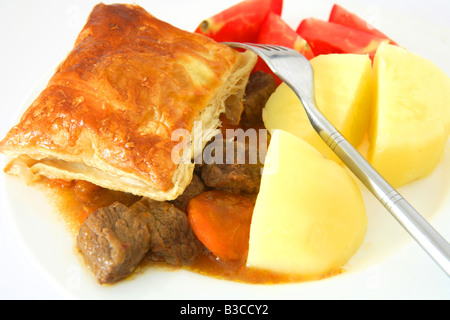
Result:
<point x="327" y="37"/>
<point x="276" y="31"/>
<point x="241" y="22"/>
<point x="346" y="18"/>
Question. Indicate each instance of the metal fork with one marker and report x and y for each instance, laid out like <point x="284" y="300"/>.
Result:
<point x="296" y="71"/>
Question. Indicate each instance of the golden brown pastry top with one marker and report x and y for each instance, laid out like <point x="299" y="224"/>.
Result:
<point x="128" y="83"/>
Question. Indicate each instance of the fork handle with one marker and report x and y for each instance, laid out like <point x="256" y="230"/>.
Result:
<point x="427" y="237"/>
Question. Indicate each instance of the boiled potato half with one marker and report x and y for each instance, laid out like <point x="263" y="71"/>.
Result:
<point x="309" y="217"/>
<point x="343" y="93"/>
<point x="411" y="117"/>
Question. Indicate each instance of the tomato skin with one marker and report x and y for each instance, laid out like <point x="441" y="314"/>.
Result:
<point x="342" y="16"/>
<point x="276" y="6"/>
<point x="241" y="22"/>
<point x="326" y="37"/>
<point x="276" y="31"/>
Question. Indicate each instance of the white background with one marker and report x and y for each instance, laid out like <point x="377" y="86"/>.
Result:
<point x="36" y="36"/>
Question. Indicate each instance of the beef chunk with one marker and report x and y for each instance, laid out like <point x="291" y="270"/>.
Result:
<point x="172" y="238"/>
<point x="234" y="177"/>
<point x="238" y="178"/>
<point x="193" y="189"/>
<point x="113" y="241"/>
<point x="259" y="88"/>
<point x="242" y="177"/>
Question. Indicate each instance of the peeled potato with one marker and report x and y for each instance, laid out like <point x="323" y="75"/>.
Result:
<point x="343" y="93"/>
<point x="309" y="217"/>
<point x="411" y="118"/>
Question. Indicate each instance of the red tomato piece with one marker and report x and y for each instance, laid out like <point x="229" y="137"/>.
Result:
<point x="276" y="31"/>
<point x="346" y="18"/>
<point x="326" y="37"/>
<point x="241" y="22"/>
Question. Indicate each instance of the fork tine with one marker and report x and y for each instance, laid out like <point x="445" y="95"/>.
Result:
<point x="254" y="46"/>
<point x="269" y="47"/>
<point x="276" y="48"/>
<point x="265" y="46"/>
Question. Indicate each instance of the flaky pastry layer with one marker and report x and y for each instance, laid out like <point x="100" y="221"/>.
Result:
<point x="108" y="113"/>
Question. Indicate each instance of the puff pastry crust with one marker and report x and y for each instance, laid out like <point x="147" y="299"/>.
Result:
<point x="108" y="113"/>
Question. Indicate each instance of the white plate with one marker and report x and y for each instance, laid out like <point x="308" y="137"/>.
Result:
<point x="41" y="262"/>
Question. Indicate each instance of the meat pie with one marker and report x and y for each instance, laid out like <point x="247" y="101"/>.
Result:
<point x="109" y="113"/>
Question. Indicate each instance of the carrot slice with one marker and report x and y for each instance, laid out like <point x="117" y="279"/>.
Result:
<point x="221" y="221"/>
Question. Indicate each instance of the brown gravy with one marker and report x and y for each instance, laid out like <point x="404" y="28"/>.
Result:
<point x="75" y="200"/>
